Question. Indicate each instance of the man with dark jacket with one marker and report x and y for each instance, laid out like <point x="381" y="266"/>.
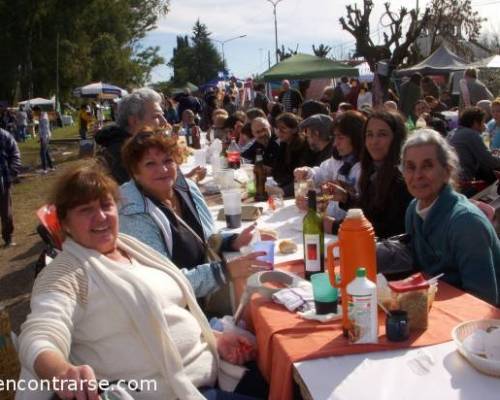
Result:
<point x="410" y="93"/>
<point x="138" y="110"/>
<point x="186" y="101"/>
<point x="476" y="162"/>
<point x="10" y="162"/>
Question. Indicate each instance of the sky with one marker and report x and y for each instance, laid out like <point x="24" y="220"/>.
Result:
<point x="301" y="23"/>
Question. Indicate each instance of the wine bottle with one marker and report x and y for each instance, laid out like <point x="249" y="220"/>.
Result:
<point x="260" y="177"/>
<point x="314" y="241"/>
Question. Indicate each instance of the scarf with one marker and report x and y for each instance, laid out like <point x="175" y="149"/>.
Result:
<point x="143" y="309"/>
<point x="348" y="163"/>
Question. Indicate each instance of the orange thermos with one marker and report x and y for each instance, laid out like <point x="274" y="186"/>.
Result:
<point x="356" y="243"/>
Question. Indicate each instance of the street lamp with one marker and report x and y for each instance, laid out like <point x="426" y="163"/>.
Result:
<point x="275" y="3"/>
<point x="223" y="42"/>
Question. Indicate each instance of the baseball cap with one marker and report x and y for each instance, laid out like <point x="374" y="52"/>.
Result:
<point x="320" y="123"/>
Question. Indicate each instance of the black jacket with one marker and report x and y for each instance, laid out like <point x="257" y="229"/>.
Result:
<point x="10" y="157"/>
<point x="111" y="139"/>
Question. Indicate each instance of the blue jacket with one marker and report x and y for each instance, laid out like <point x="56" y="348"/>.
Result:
<point x="136" y="221"/>
<point x="456" y="238"/>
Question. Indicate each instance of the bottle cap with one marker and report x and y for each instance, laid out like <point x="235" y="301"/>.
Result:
<point x="361" y="272"/>
<point x="355" y="213"/>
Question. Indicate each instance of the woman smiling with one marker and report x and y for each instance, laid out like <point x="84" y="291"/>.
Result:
<point x="171" y="216"/>
<point x="448" y="233"/>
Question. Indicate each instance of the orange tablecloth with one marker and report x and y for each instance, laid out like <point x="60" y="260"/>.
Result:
<point x="284" y="338"/>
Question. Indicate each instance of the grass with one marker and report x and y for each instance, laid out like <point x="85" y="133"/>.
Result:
<point x="60" y="152"/>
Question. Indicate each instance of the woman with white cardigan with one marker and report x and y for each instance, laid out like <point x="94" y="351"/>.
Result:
<point x="109" y="307"/>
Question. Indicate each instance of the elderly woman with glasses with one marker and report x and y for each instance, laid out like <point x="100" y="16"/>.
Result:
<point x="172" y="217"/>
<point x="449" y="234"/>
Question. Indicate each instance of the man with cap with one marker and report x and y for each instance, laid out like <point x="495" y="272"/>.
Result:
<point x="290" y="98"/>
<point x="318" y="131"/>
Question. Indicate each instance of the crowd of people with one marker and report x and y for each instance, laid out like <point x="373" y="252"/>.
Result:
<point x="140" y="241"/>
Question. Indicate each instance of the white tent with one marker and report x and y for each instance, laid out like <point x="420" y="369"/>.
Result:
<point x="37" y="101"/>
<point x="488" y="62"/>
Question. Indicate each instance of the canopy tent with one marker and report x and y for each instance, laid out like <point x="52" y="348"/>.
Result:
<point x="306" y="66"/>
<point x="442" y="61"/>
<point x="489" y="62"/>
<point x="43" y="104"/>
<point x="183" y="88"/>
<point x="99" y="90"/>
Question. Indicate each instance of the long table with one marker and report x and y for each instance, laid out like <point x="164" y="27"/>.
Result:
<point x="285" y="339"/>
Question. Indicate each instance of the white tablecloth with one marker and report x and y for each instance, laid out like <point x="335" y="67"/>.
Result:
<point x="287" y="221"/>
<point x="432" y="373"/>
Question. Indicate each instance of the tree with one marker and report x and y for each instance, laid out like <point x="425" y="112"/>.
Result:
<point x="98" y="40"/>
<point x="453" y="21"/>
<point x="284" y="54"/>
<point x="321" y="50"/>
<point x="394" y="50"/>
<point x="196" y="59"/>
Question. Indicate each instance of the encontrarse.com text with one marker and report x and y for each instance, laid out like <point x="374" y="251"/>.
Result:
<point x="55" y="384"/>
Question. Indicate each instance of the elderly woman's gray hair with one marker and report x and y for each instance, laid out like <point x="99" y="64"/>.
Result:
<point x="134" y="104"/>
<point x="445" y="154"/>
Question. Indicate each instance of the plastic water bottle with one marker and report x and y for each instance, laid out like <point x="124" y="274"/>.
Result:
<point x="362" y="305"/>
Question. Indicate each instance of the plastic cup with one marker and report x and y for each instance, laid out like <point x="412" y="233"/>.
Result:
<point x="268" y="247"/>
<point x="200" y="158"/>
<point x="225" y="178"/>
<point x="232" y="208"/>
<point x="325" y="295"/>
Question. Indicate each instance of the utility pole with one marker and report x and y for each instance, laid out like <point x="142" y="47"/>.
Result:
<point x="223" y="42"/>
<point x="275" y="3"/>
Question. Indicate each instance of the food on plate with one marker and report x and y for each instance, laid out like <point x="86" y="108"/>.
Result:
<point x="268" y="234"/>
<point x="287" y="246"/>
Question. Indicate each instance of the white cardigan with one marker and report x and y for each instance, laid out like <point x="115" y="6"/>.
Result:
<point x="108" y="315"/>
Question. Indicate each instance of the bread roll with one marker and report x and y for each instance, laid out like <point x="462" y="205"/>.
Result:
<point x="287" y="246"/>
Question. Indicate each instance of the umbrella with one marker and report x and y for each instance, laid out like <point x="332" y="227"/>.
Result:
<point x="99" y="90"/>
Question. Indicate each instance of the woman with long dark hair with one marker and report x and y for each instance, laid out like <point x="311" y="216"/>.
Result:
<point x="383" y="195"/>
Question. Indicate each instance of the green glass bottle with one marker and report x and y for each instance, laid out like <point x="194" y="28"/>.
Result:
<point x="314" y="238"/>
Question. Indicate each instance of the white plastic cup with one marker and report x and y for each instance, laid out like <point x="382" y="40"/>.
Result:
<point x="232" y="207"/>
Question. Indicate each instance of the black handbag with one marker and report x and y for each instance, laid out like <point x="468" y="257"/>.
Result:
<point x="394" y="256"/>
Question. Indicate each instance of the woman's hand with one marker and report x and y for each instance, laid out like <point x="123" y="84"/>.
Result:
<point x="74" y="382"/>
<point x="234" y="348"/>
<point x="301" y="174"/>
<point x="244" y="238"/>
<point x="337" y="192"/>
<point x="197" y="174"/>
<point x="83" y="377"/>
<point x="244" y="266"/>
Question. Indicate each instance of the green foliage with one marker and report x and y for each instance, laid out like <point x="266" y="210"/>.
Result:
<point x="98" y="40"/>
<point x="196" y="59"/>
